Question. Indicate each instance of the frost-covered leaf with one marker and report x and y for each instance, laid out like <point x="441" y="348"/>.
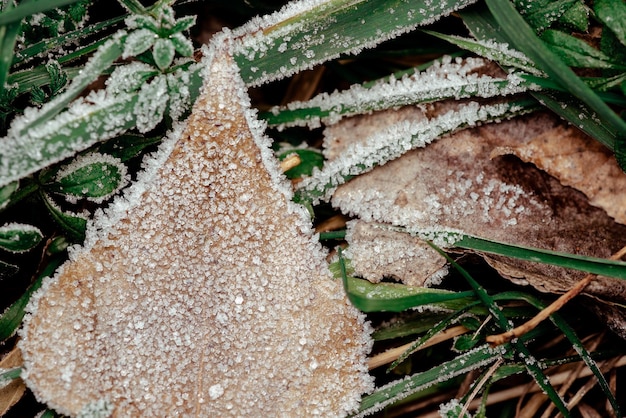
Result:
<point x="138" y="42"/>
<point x="443" y="80"/>
<point x="182" y="44"/>
<point x="6" y="192"/>
<point x="613" y="14"/>
<point x="163" y="53"/>
<point x="18" y="237"/>
<point x="129" y="78"/>
<point x="281" y="44"/>
<point x="58" y="77"/>
<point x="576" y="161"/>
<point x="395" y="139"/>
<point x="453" y="184"/>
<point x="207" y="276"/>
<point x="151" y="104"/>
<point x="182" y="24"/>
<point x="95" y="177"/>
<point x="73" y="224"/>
<point x="543" y="13"/>
<point x="495" y="51"/>
<point x="575" y="52"/>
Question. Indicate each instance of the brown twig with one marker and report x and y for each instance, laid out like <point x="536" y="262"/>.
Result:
<point x="528" y="326"/>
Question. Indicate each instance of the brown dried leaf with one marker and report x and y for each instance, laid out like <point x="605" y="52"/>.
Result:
<point x="577" y="161"/>
<point x="454" y="184"/>
<point x="377" y="252"/>
<point x="14" y="390"/>
<point x="203" y="293"/>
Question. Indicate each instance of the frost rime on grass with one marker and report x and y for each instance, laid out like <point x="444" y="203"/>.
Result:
<point x="201" y="292"/>
<point x="391" y="143"/>
<point x="443" y="80"/>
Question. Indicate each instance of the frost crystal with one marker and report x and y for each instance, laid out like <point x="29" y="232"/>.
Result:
<point x="193" y="293"/>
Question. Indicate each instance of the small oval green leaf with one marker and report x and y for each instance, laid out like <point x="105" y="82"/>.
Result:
<point x="94" y="176"/>
<point x="163" y="53"/>
<point x="19" y="238"/>
<point x="181" y="44"/>
<point x="6" y="192"/>
<point x="138" y="42"/>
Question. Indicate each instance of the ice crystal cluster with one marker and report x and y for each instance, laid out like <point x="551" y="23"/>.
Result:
<point x="202" y="291"/>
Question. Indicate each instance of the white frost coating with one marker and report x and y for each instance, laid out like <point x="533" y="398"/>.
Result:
<point x="128" y="78"/>
<point x="280" y="27"/>
<point x="194" y="292"/>
<point x="151" y="104"/>
<point x="391" y="143"/>
<point x="91" y="159"/>
<point x="443" y="80"/>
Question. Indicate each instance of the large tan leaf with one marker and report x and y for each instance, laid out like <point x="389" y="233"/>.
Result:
<point x="202" y="293"/>
<point x="454" y="184"/>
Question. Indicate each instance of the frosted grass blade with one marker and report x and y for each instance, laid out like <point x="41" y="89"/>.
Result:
<point x="398" y="139"/>
<point x="52" y="43"/>
<point x="8" y="37"/>
<point x="400" y="389"/>
<point x="30" y="8"/>
<point x="306" y="33"/>
<point x="441" y="81"/>
<point x="523" y="37"/>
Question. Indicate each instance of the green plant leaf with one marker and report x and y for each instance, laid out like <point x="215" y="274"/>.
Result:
<point x="576" y="52"/>
<point x="340" y="26"/>
<point x="139" y="42"/>
<point x="613" y="14"/>
<point x="163" y="53"/>
<point x="8" y="36"/>
<point x="182" y="44"/>
<point x="6" y="192"/>
<point x="19" y="238"/>
<point x="95" y="177"/>
<point x="310" y="158"/>
<point x="541" y="14"/>
<point x="524" y="38"/>
<point x="74" y="225"/>
<point x="11" y="318"/>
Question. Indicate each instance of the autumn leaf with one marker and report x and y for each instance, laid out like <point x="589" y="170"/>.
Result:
<point x="201" y="291"/>
<point x="454" y="184"/>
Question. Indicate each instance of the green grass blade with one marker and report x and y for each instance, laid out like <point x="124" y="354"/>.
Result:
<point x="448" y="80"/>
<point x="28" y="8"/>
<point x="282" y="44"/>
<point x="532" y="366"/>
<point x="523" y="37"/>
<point x="397" y="390"/>
<point x="570" y="334"/>
<point x="436" y="329"/>
<point x="610" y="268"/>
<point x="8" y="36"/>
<point x="398" y="139"/>
<point x="11" y="318"/>
<point x="52" y="43"/>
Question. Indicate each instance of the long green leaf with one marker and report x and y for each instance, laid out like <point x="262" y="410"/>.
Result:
<point x="523" y="37"/>
<point x="8" y="36"/>
<point x="448" y="80"/>
<point x="28" y="8"/>
<point x="11" y="318"/>
<point x="307" y="33"/>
